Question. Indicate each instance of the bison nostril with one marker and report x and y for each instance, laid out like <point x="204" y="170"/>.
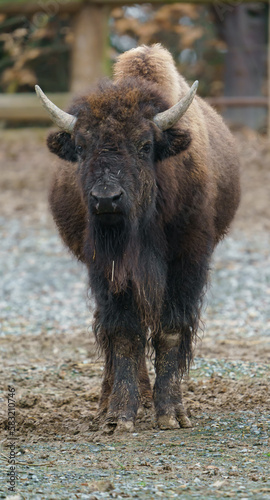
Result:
<point x="96" y="198"/>
<point x="117" y="196"/>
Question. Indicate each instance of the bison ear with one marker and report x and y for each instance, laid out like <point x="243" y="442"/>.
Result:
<point x="171" y="143"/>
<point x="62" y="145"/>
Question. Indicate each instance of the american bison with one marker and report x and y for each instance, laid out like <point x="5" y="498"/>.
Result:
<point x="147" y="187"/>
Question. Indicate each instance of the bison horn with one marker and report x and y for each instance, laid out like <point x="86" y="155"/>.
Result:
<point x="170" y="117"/>
<point x="63" y="120"/>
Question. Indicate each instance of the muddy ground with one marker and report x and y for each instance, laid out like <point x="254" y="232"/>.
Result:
<point x="49" y="356"/>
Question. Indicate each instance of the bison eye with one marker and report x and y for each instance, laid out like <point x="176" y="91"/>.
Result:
<point x="79" y="150"/>
<point x="145" y="148"/>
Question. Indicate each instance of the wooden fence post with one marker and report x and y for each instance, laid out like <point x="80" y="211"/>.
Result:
<point x="90" y="27"/>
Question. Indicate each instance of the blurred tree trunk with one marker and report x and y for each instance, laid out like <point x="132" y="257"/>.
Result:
<point x="244" y="29"/>
<point x="89" y="47"/>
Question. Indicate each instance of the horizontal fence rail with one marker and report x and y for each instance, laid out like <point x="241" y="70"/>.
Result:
<point x="27" y="108"/>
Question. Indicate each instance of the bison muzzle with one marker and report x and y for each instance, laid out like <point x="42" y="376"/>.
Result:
<point x="147" y="186"/>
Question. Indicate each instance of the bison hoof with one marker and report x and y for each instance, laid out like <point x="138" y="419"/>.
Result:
<point x="170" y="422"/>
<point x="167" y="422"/>
<point x="121" y="426"/>
<point x="125" y="426"/>
<point x="184" y="422"/>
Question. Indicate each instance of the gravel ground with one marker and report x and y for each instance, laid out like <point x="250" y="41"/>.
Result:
<point x="49" y="356"/>
<point x="42" y="286"/>
<point x="218" y="463"/>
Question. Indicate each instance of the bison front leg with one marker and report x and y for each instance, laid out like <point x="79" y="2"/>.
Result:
<point x="126" y="384"/>
<point x="186" y="279"/>
<point x="170" y="410"/>
<point x="122" y="381"/>
<point x="145" y="391"/>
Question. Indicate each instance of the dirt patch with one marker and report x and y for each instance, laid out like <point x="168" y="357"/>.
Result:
<point x="60" y="454"/>
<point x="58" y="394"/>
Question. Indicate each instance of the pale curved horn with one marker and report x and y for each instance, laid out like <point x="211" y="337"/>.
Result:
<point x="170" y="117"/>
<point x="63" y="120"/>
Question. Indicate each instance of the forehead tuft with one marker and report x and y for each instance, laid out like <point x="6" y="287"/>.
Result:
<point x="113" y="102"/>
<point x="124" y="100"/>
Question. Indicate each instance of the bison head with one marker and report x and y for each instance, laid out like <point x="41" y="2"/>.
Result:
<point x="117" y="135"/>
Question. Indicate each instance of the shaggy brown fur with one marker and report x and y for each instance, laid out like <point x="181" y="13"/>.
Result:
<point x="176" y="193"/>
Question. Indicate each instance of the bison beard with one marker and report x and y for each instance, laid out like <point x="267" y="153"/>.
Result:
<point x="142" y="200"/>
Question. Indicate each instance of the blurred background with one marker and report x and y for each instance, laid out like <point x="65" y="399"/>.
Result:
<point x="65" y="45"/>
<point x="49" y="352"/>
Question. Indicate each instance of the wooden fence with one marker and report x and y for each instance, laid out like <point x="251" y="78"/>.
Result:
<point x="26" y="107"/>
<point x="90" y="27"/>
